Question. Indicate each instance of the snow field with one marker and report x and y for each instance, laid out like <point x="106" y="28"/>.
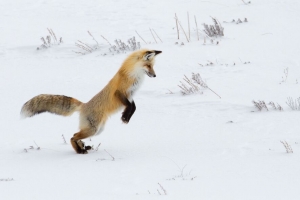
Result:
<point x="197" y="146"/>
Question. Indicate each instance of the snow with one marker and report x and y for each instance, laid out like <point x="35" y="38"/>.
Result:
<point x="195" y="146"/>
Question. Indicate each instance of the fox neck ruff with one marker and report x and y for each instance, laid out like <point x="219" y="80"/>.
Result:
<point x="138" y="75"/>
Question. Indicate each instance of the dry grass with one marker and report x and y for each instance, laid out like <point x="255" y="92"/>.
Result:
<point x="214" y="30"/>
<point x="121" y="46"/>
<point x="261" y="105"/>
<point x="194" y="85"/>
<point x="287" y="147"/>
<point x="293" y="104"/>
<point x="50" y="40"/>
<point x="6" y="179"/>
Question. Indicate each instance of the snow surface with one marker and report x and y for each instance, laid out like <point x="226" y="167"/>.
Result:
<point x="196" y="146"/>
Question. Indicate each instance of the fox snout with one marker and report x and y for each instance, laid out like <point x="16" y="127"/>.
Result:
<point x="148" y="68"/>
<point x="151" y="75"/>
<point x="150" y="72"/>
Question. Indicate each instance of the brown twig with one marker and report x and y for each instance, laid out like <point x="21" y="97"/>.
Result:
<point x="157" y="36"/>
<point x="153" y="35"/>
<point x="287" y="147"/>
<point x="183" y="31"/>
<point x="38" y="148"/>
<point x="84" y="46"/>
<point x="106" y="40"/>
<point x="163" y="189"/>
<point x="245" y="2"/>
<point x="110" y="155"/>
<point x="64" y="138"/>
<point x="196" y="27"/>
<point x="97" y="148"/>
<point x="52" y="34"/>
<point x="177" y="25"/>
<point x="188" y="17"/>
<point x="140" y="37"/>
<point x="93" y="37"/>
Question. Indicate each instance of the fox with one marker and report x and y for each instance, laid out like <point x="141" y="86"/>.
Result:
<point x="117" y="94"/>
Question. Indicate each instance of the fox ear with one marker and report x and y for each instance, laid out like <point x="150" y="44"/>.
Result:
<point x="149" y="56"/>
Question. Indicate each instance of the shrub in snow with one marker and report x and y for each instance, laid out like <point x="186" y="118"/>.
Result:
<point x="260" y="105"/>
<point x="214" y="30"/>
<point x="119" y="46"/>
<point x="50" y="40"/>
<point x="287" y="147"/>
<point x="276" y="107"/>
<point x="238" y="21"/>
<point x="6" y="179"/>
<point x="293" y="104"/>
<point x="194" y="85"/>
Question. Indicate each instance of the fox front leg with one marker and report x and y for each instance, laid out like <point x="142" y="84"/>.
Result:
<point x="129" y="107"/>
<point x="128" y="112"/>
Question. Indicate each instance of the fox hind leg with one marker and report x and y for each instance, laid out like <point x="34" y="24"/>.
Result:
<point x="82" y="145"/>
<point x="77" y="144"/>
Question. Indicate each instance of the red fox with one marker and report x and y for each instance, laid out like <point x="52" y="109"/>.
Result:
<point x="115" y="95"/>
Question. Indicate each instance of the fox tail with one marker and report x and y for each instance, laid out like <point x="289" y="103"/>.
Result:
<point x="57" y="104"/>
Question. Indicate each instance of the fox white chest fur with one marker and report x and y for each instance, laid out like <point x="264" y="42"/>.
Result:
<point x="138" y="75"/>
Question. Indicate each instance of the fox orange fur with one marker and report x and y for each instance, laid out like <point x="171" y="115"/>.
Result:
<point x="115" y="95"/>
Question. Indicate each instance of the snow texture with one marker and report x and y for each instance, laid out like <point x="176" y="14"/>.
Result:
<point x="175" y="146"/>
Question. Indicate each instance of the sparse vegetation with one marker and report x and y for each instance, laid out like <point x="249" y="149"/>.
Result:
<point x="119" y="46"/>
<point x="32" y="147"/>
<point x="178" y="23"/>
<point x="275" y="107"/>
<point x="50" y="40"/>
<point x="293" y="104"/>
<point x="162" y="188"/>
<point x="182" y="176"/>
<point x="287" y="147"/>
<point x="160" y="191"/>
<point x="97" y="148"/>
<point x="238" y="21"/>
<point x="246" y="3"/>
<point x="102" y="159"/>
<point x="261" y="105"/>
<point x="217" y="63"/>
<point x="64" y="139"/>
<point x="214" y="30"/>
<point x="6" y="179"/>
<point x="285" y="76"/>
<point x="194" y="85"/>
<point x="85" y="47"/>
<point x="209" y="32"/>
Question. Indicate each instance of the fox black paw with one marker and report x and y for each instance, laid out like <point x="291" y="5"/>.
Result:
<point x="125" y="120"/>
<point x="82" y="151"/>
<point x="87" y="148"/>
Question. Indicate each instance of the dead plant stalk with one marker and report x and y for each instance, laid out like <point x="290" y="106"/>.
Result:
<point x="176" y="19"/>
<point x="140" y="36"/>
<point x="157" y="35"/>
<point x="196" y="27"/>
<point x="153" y="35"/>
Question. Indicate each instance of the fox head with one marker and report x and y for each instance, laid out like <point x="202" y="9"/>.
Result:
<point x="148" y="59"/>
<point x="139" y="63"/>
